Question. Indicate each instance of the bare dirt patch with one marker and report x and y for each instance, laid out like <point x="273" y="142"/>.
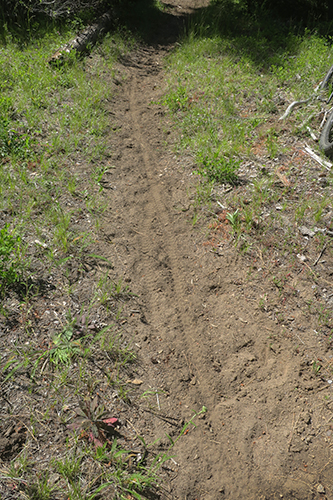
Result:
<point x="202" y="336"/>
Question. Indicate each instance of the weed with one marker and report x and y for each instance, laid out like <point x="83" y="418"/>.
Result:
<point x="187" y="425"/>
<point x="234" y="220"/>
<point x="152" y="394"/>
<point x="271" y="143"/>
<point x="69" y="467"/>
<point x="159" y="5"/>
<point x="12" y="143"/>
<point x="195" y="218"/>
<point x="65" y="347"/>
<point x="94" y="421"/>
<point x="177" y="99"/>
<point x="244" y="246"/>
<point x="40" y="489"/>
<point x="108" y="289"/>
<point x="324" y="316"/>
<point x="203" y="193"/>
<point x="20" y="466"/>
<point x="98" y="174"/>
<point x="101" y="453"/>
<point x="262" y="302"/>
<point x="161" y="458"/>
<point x="10" y="262"/>
<point x="126" y="479"/>
<point x="316" y="367"/>
<point x="218" y="168"/>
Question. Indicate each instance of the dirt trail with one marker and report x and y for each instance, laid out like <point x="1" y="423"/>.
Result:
<point x="200" y="335"/>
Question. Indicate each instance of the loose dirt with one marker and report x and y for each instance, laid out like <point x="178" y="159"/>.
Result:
<point x="200" y="335"/>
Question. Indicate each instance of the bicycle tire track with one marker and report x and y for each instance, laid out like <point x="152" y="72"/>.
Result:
<point x="161" y="237"/>
<point x="164" y="247"/>
<point x="201" y="338"/>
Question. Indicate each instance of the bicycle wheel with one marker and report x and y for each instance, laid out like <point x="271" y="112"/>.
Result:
<point x="327" y="78"/>
<point x="326" y="137"/>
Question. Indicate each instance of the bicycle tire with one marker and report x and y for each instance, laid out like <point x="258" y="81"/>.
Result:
<point x="327" y="78"/>
<point x="326" y="137"/>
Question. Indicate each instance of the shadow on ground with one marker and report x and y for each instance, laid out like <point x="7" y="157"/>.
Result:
<point x="259" y="34"/>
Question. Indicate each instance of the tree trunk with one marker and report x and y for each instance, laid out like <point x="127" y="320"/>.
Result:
<point x="87" y="37"/>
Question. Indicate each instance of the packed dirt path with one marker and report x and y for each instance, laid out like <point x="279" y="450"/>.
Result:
<point x="200" y="336"/>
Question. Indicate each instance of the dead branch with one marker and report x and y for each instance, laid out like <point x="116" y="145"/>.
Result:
<point x="323" y="163"/>
<point x="292" y="106"/>
<point x="87" y="37"/>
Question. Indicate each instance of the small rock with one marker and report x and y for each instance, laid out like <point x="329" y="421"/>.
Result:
<point x="320" y="489"/>
<point x="305" y="231"/>
<point x="323" y="182"/>
<point x="136" y="381"/>
<point x="40" y="243"/>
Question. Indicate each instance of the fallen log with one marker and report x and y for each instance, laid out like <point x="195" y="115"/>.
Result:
<point x="88" y="37"/>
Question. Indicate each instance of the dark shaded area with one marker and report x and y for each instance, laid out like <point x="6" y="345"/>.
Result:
<point x="152" y="25"/>
<point x="24" y="287"/>
<point x="262" y="31"/>
<point x="301" y="10"/>
<point x="33" y="19"/>
<point x="12" y="438"/>
<point x="161" y="23"/>
<point x="23" y="11"/>
<point x="29" y="20"/>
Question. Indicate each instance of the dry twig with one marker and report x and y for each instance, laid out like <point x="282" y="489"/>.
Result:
<point x="320" y="255"/>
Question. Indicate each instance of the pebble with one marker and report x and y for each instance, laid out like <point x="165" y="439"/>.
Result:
<point x="320" y="489"/>
<point x="306" y="231"/>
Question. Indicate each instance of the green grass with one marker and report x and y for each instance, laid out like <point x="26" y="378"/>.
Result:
<point x="68" y="360"/>
<point x="11" y="259"/>
<point x="221" y="94"/>
<point x="54" y="130"/>
<point x="51" y="118"/>
<point x="228" y="82"/>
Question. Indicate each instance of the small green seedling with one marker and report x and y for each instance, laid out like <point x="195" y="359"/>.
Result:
<point x="234" y="220"/>
<point x="64" y="346"/>
<point x="316" y="367"/>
